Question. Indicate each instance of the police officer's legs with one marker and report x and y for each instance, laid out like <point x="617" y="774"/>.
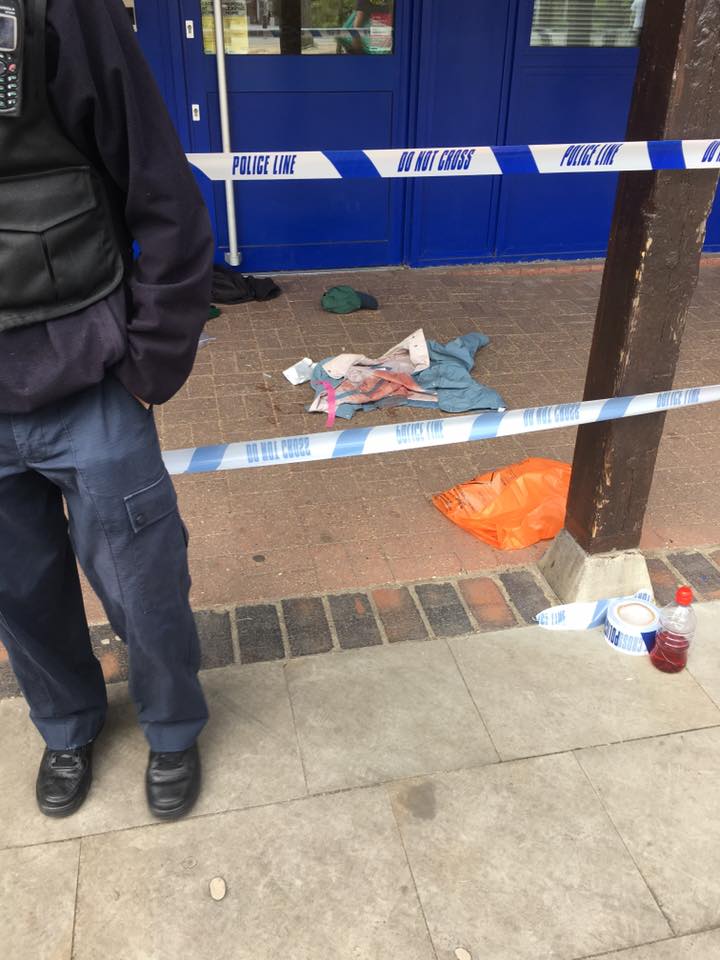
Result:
<point x="42" y="619"/>
<point x="130" y="541"/>
<point x="100" y="448"/>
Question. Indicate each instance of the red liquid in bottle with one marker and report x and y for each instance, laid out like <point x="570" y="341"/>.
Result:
<point x="670" y="652"/>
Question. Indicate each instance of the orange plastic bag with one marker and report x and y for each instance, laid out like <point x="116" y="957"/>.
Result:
<point x="513" y="507"/>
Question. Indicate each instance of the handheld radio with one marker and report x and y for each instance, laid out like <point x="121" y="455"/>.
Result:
<point x="12" y="32"/>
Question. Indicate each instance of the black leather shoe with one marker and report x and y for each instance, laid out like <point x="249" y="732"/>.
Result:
<point x="173" y="782"/>
<point x="64" y="780"/>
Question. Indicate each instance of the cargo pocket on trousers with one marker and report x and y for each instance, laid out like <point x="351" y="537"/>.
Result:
<point x="159" y="545"/>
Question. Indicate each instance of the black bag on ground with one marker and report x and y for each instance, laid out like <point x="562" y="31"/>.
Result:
<point x="229" y="286"/>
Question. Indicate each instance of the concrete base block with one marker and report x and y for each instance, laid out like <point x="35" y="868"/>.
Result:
<point x="576" y="576"/>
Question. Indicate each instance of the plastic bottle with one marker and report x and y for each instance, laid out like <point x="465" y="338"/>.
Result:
<point x="675" y="633"/>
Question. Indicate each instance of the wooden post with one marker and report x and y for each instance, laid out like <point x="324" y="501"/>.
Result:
<point x="650" y="273"/>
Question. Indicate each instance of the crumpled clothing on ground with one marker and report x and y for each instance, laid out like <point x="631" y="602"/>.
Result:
<point x="414" y="373"/>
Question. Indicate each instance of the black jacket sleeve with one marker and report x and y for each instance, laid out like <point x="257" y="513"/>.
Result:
<point x="108" y="104"/>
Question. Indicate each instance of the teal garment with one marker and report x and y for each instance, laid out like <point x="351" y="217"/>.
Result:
<point x="449" y="376"/>
<point x="346" y="300"/>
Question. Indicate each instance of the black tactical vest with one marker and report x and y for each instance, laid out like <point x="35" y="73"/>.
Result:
<point x="61" y="232"/>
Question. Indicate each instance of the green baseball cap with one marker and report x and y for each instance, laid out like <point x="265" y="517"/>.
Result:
<point x="347" y="300"/>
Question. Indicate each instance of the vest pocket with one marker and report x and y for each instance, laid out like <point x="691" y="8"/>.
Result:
<point x="58" y="251"/>
<point x="25" y="281"/>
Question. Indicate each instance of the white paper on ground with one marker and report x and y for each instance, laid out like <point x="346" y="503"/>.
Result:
<point x="300" y="372"/>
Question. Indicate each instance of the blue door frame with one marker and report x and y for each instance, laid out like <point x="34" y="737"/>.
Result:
<point x="458" y="76"/>
<point x="160" y="34"/>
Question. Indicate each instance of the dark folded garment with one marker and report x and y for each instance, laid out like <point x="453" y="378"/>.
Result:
<point x="229" y="286"/>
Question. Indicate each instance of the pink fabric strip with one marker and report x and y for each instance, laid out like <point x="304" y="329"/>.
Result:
<point x="332" y="401"/>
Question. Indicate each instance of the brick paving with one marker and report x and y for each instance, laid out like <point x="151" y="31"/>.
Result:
<point x="399" y="615"/>
<point x="444" y="609"/>
<point x="696" y="568"/>
<point x="287" y="531"/>
<point x="664" y="580"/>
<point x="355" y="621"/>
<point x="299" y="627"/>
<point x="258" y="536"/>
<point x="367" y="525"/>
<point x="486" y="603"/>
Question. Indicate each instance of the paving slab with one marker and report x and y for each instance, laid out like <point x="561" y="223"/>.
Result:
<point x="116" y="796"/>
<point x="37" y="901"/>
<point x="318" y="879"/>
<point x="249" y="754"/>
<point x="384" y="713"/>
<point x="542" y="692"/>
<point x="249" y="749"/>
<point x="704" y="656"/>
<point x="662" y="796"/>
<point x="520" y="862"/>
<point x="702" y="946"/>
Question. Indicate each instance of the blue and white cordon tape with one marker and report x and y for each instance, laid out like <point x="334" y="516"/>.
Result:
<point x="388" y="438"/>
<point x="312" y="31"/>
<point x="610" y="157"/>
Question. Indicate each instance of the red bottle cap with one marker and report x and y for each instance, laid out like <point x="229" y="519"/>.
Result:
<point x="684" y="596"/>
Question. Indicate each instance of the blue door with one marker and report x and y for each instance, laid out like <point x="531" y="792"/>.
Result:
<point x="463" y="76"/>
<point x="570" y="83"/>
<point x="503" y="78"/>
<point x="296" y="83"/>
<point x="574" y="67"/>
<point x="425" y="74"/>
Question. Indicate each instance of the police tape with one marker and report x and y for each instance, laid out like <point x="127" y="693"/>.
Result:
<point x="389" y="438"/>
<point x="631" y="625"/>
<point x="610" y="157"/>
<point x="311" y="31"/>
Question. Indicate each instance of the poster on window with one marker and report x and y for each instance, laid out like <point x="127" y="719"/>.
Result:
<point x="235" y="23"/>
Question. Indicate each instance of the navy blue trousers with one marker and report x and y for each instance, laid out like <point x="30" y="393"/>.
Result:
<point x="98" y="453"/>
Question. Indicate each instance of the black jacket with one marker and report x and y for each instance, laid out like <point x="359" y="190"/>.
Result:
<point x="108" y="104"/>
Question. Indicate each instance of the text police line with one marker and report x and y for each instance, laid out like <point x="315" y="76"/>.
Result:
<point x="461" y="161"/>
<point x="678" y="398"/>
<point x="386" y="438"/>
<point x="426" y="432"/>
<point x="264" y="164"/>
<point x="590" y="154"/>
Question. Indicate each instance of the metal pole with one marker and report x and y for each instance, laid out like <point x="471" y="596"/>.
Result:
<point x="233" y="256"/>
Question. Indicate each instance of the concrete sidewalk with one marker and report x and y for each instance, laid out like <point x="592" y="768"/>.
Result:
<point x="500" y="796"/>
